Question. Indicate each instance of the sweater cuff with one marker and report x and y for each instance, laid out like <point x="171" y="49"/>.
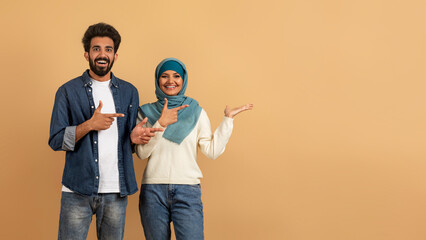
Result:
<point x="228" y="119"/>
<point x="158" y="125"/>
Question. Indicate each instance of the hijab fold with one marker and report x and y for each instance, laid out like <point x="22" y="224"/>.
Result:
<point x="187" y="117"/>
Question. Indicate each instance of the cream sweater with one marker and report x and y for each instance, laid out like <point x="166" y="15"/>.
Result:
<point x="172" y="163"/>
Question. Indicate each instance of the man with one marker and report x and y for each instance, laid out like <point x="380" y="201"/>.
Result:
<point x="92" y="120"/>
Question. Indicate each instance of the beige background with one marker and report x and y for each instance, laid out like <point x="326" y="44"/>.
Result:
<point x="333" y="150"/>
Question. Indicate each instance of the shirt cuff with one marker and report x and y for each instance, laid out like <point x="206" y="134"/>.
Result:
<point x="69" y="138"/>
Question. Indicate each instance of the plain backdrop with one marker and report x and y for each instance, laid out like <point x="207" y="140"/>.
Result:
<point x="333" y="150"/>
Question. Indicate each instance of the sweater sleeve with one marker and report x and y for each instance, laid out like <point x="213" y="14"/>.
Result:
<point x="144" y="150"/>
<point x="213" y="145"/>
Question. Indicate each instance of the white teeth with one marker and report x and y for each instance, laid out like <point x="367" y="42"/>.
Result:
<point x="170" y="86"/>
<point x="101" y="62"/>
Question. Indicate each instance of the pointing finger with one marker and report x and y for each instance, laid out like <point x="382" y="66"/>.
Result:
<point x="155" y="130"/>
<point x="111" y="115"/>
<point x="181" y="107"/>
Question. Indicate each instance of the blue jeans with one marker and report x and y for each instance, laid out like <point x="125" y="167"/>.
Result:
<point x="77" y="210"/>
<point x="160" y="204"/>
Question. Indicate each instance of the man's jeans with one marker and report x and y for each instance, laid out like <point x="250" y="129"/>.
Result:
<point x="77" y="210"/>
<point x="159" y="204"/>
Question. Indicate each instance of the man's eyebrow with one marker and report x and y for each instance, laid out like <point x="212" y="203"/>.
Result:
<point x="109" y="47"/>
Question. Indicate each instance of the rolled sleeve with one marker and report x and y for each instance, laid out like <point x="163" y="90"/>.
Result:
<point x="68" y="143"/>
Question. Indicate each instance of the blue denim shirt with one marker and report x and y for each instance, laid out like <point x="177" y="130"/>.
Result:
<point x="74" y="105"/>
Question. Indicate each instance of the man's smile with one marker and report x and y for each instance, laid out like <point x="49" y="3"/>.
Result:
<point x="102" y="62"/>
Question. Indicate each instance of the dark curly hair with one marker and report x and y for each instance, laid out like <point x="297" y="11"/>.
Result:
<point x="101" y="30"/>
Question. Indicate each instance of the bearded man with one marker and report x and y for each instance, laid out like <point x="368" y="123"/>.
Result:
<point x="92" y="120"/>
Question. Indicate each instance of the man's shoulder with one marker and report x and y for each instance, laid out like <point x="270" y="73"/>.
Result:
<point x="75" y="82"/>
<point x="125" y="84"/>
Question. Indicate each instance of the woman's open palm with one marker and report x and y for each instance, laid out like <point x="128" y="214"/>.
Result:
<point x="234" y="111"/>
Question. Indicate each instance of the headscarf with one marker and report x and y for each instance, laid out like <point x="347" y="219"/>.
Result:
<point x="187" y="117"/>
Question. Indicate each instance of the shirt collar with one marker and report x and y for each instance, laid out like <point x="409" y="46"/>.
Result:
<point x="87" y="81"/>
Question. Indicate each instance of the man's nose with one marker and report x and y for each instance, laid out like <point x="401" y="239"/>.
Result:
<point x="102" y="53"/>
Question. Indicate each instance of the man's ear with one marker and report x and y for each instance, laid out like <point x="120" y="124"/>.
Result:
<point x="86" y="55"/>
<point x="115" y="57"/>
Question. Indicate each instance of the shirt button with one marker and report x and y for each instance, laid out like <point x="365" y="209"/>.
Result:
<point x="96" y="142"/>
<point x="97" y="177"/>
<point x="96" y="160"/>
<point x="130" y="105"/>
<point x="90" y="90"/>
<point x="93" y="107"/>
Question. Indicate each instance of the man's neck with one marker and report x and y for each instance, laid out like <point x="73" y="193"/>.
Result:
<point x="100" y="78"/>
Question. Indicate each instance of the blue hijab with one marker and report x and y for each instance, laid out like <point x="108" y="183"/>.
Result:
<point x="187" y="117"/>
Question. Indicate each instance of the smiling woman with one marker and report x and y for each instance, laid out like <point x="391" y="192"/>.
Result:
<point x="172" y="169"/>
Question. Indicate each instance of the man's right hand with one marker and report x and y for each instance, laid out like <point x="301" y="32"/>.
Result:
<point x="99" y="121"/>
<point x="102" y="121"/>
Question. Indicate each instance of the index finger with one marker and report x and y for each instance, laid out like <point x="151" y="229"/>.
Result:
<point x="113" y="115"/>
<point x="155" y="129"/>
<point x="181" y="107"/>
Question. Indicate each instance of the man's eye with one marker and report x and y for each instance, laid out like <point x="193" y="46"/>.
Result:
<point x="109" y="50"/>
<point x="95" y="49"/>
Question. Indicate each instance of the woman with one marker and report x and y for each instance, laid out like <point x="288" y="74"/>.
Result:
<point x="171" y="182"/>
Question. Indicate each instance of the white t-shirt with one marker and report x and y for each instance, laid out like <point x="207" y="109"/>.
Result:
<point x="107" y="141"/>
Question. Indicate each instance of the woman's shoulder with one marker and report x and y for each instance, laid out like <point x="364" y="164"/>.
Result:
<point x="203" y="113"/>
<point x="203" y="118"/>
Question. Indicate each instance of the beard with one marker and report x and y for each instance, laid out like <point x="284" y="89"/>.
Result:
<point x="100" y="71"/>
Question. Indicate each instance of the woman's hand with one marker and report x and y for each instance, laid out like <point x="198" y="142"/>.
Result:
<point x="169" y="116"/>
<point x="231" y="113"/>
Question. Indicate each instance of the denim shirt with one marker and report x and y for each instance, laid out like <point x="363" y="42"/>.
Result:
<point x="74" y="105"/>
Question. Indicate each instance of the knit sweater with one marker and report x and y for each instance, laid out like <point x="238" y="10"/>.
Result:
<point x="172" y="163"/>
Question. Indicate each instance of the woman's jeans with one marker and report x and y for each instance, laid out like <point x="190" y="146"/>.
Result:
<point x="77" y="210"/>
<point x="160" y="204"/>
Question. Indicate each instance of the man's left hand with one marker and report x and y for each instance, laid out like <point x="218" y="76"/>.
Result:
<point x="142" y="135"/>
